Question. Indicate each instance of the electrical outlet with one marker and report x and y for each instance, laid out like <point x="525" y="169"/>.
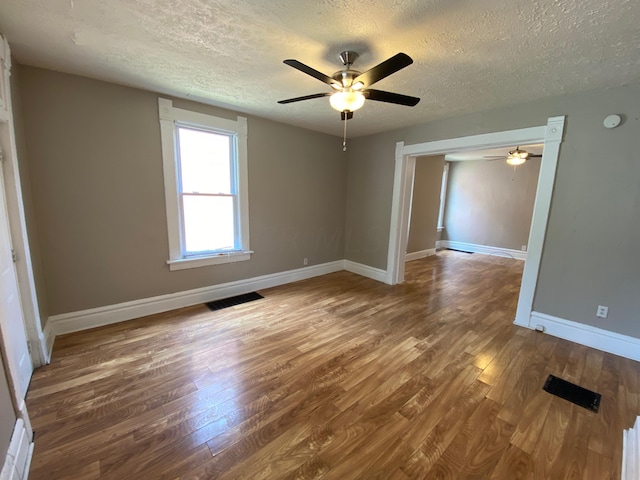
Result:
<point x="305" y="261"/>
<point x="602" y="311"/>
<point x="524" y="248"/>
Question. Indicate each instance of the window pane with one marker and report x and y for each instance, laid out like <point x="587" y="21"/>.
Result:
<point x="204" y="161"/>
<point x="208" y="223"/>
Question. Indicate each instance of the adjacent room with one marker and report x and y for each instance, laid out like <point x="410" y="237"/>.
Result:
<point x="328" y="240"/>
<point x="473" y="202"/>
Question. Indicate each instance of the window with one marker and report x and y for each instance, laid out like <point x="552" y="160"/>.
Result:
<point x="205" y="179"/>
<point x="443" y="196"/>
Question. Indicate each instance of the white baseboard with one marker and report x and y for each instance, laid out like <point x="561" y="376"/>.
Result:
<point x="483" y="249"/>
<point x="97" y="317"/>
<point x="611" y="342"/>
<point x="44" y="355"/>
<point x="365" y="271"/>
<point x="525" y="325"/>
<point x="18" y="459"/>
<point x="420" y="254"/>
<point x="48" y="337"/>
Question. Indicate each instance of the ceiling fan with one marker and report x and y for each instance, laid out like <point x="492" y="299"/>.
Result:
<point x="351" y="87"/>
<point x="515" y="157"/>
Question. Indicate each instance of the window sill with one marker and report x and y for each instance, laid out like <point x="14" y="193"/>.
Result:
<point x="195" y="262"/>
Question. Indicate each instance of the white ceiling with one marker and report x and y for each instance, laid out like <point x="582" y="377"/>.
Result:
<point x="470" y="55"/>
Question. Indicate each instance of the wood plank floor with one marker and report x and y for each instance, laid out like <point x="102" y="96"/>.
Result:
<point x="336" y="377"/>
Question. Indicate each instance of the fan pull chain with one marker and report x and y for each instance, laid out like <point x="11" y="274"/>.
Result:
<point x="344" y="141"/>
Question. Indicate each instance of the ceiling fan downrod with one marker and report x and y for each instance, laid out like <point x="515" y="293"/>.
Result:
<point x="348" y="58"/>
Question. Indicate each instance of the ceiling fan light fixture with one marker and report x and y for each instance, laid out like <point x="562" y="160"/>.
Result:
<point x="357" y="86"/>
<point x="347" y="101"/>
<point x="517" y="157"/>
<point x="516" y="160"/>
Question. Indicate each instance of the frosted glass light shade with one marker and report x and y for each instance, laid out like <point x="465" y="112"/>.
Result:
<point x="347" y="101"/>
<point x="515" y="160"/>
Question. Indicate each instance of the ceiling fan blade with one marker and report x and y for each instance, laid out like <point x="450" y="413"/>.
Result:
<point x="311" y="71"/>
<point x="306" y="97"/>
<point x="533" y="155"/>
<point x="389" y="97"/>
<point x="495" y="156"/>
<point x="386" y="68"/>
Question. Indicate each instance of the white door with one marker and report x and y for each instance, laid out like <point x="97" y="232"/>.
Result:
<point x="12" y="327"/>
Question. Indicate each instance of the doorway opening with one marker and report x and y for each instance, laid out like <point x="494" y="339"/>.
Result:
<point x="473" y="201"/>
<point x="549" y="135"/>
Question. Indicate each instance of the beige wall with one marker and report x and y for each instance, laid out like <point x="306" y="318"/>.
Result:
<point x="425" y="204"/>
<point x="490" y="203"/>
<point x="95" y="168"/>
<point x="7" y="414"/>
<point x="590" y="254"/>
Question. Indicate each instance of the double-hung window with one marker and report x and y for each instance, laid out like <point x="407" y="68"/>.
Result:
<point x="205" y="177"/>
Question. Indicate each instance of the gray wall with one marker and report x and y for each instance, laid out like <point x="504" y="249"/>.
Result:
<point x="590" y="254"/>
<point x="95" y="168"/>
<point x="490" y="203"/>
<point x="7" y="413"/>
<point x="369" y="190"/>
<point x="93" y="154"/>
<point x="425" y="204"/>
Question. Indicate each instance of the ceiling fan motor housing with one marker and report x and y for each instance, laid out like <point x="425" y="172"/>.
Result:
<point x="345" y="77"/>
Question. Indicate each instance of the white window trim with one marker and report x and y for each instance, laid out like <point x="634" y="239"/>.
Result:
<point x="169" y="116"/>
<point x="443" y="195"/>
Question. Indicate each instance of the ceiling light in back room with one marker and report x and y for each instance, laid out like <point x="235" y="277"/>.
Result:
<point x="517" y="157"/>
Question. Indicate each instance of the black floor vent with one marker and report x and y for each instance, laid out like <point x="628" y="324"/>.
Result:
<point x="231" y="301"/>
<point x="572" y="392"/>
<point x="456" y="250"/>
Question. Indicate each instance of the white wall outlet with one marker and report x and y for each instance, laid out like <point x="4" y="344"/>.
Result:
<point x="602" y="311"/>
<point x="524" y="248"/>
<point x="305" y="261"/>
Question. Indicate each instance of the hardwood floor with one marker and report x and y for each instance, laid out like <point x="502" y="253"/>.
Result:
<point x="337" y="377"/>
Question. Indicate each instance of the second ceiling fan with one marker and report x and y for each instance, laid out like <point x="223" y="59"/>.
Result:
<point x="516" y="157"/>
<point x="351" y="87"/>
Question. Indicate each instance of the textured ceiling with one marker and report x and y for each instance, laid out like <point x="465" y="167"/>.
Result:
<point x="470" y="55"/>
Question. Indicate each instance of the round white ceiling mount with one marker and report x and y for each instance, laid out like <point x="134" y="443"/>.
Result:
<point x="612" y="121"/>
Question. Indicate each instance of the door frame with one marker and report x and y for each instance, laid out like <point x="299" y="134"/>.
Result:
<point x="405" y="161"/>
<point x="17" y="220"/>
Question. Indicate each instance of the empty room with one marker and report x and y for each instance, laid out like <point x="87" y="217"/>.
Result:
<point x="319" y="240"/>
